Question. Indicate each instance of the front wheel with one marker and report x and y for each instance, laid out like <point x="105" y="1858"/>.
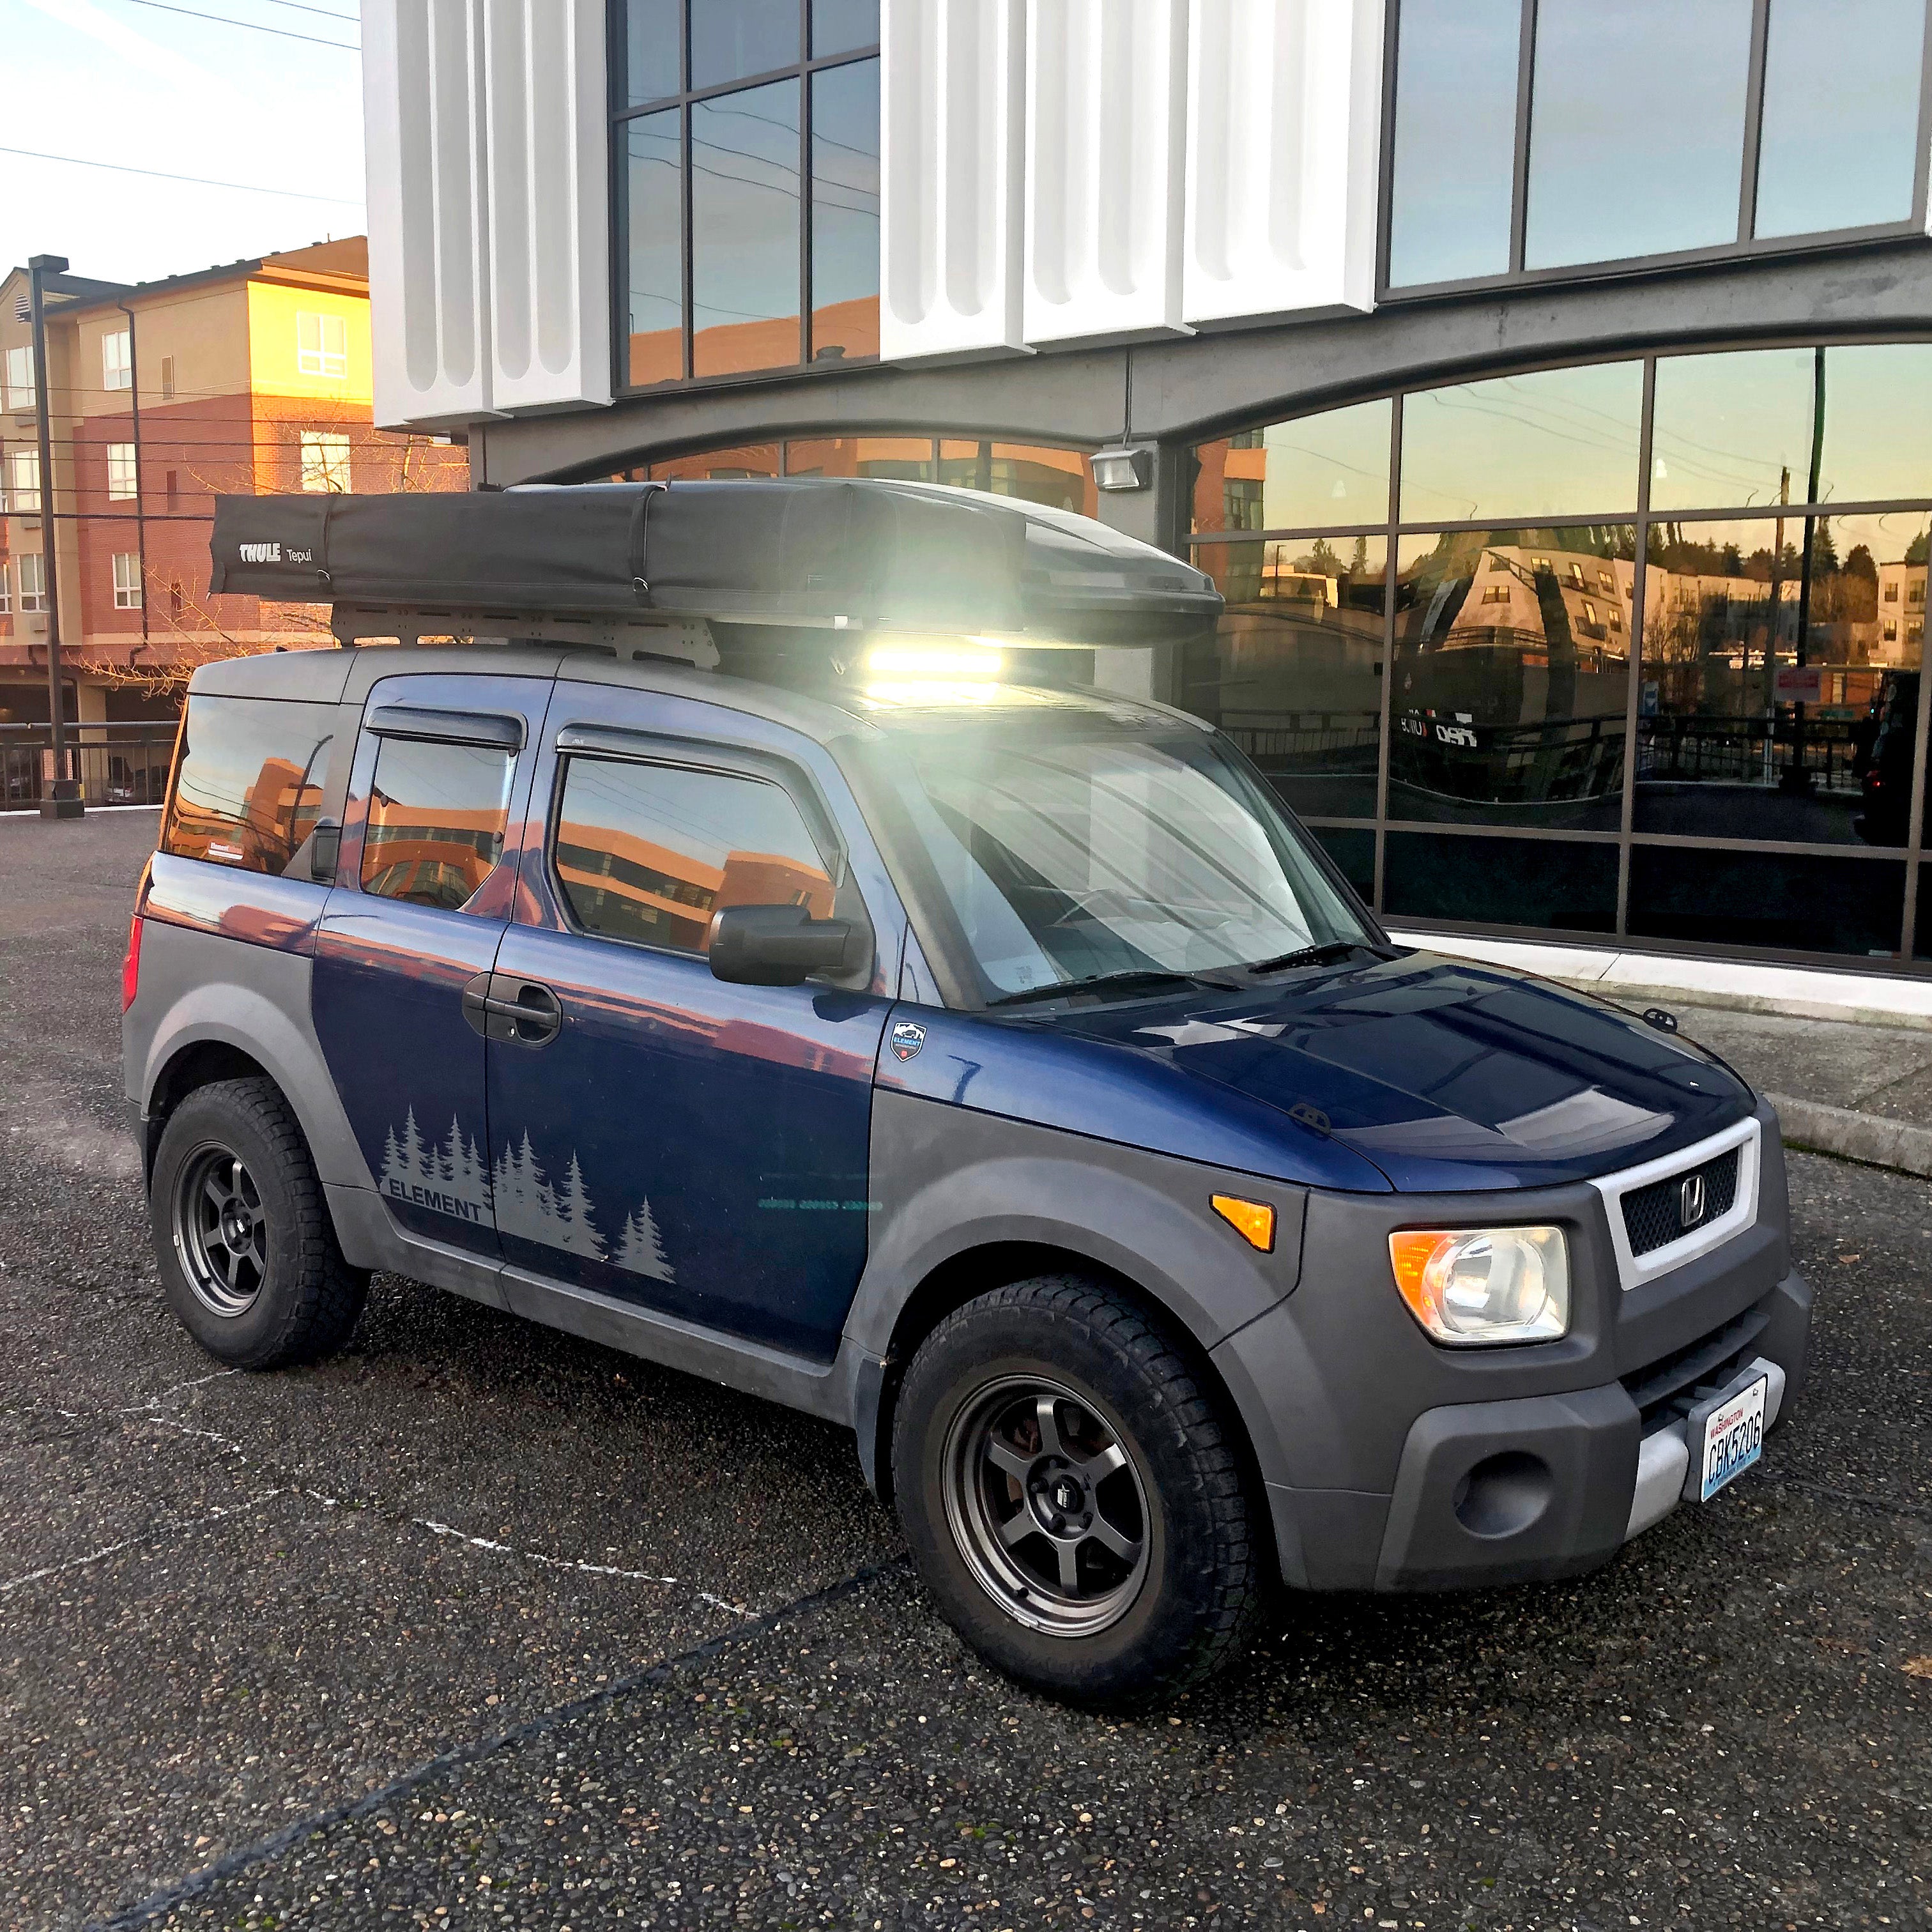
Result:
<point x="1072" y="1496"/>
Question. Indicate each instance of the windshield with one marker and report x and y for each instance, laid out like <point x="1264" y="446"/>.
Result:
<point x="1076" y="838"/>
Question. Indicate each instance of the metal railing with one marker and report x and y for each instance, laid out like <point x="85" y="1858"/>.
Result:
<point x="115" y="764"/>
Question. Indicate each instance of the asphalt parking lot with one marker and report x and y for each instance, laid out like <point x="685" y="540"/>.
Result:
<point x="478" y="1625"/>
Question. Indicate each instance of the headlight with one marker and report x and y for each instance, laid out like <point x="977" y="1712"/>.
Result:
<point x="1472" y="1285"/>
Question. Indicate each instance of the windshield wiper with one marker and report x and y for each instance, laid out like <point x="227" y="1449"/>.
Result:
<point x="1310" y="955"/>
<point x="1149" y="976"/>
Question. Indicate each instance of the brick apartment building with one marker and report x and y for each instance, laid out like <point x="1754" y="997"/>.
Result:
<point x="251" y="377"/>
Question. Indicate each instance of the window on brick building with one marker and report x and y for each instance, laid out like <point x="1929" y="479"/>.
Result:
<point x="127" y="580"/>
<point x="123" y="472"/>
<point x="325" y="461"/>
<point x="33" y="582"/>
<point x="22" y="483"/>
<point x="19" y="377"/>
<point x="322" y="345"/>
<point x="117" y="361"/>
<point x="167" y="379"/>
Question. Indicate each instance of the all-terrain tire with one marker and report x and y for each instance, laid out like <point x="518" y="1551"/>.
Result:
<point x="1202" y="1583"/>
<point x="248" y="1255"/>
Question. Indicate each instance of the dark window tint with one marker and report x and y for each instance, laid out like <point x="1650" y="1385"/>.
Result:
<point x="1636" y="127"/>
<point x="1789" y="903"/>
<point x="655" y="55"/>
<point x="1354" y="853"/>
<point x="1512" y="669"/>
<point x="745" y="229"/>
<point x="845" y="211"/>
<point x="1922" y="944"/>
<point x="436" y="817"/>
<point x="1781" y="660"/>
<point x="732" y="39"/>
<point x="1567" y="883"/>
<point x="1455" y="140"/>
<point x="648" y="852"/>
<point x="654" y="185"/>
<point x="1295" y="678"/>
<point x="249" y="785"/>
<point x="1840" y="114"/>
<point x="837" y="25"/>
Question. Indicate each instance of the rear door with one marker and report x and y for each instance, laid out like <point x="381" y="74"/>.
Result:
<point x="697" y="1147"/>
<point x="431" y="834"/>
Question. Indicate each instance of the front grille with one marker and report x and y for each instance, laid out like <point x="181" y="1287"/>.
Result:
<point x="1673" y="1386"/>
<point x="1653" y="1215"/>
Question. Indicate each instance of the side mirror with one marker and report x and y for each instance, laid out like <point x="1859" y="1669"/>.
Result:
<point x="325" y="850"/>
<point x="782" y="945"/>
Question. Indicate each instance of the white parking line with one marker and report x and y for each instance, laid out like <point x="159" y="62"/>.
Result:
<point x="12" y="1583"/>
<point x="495" y="1549"/>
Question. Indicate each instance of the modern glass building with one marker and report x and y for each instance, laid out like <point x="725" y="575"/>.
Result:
<point x="1547" y="386"/>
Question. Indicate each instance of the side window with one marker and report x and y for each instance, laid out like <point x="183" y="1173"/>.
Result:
<point x="648" y="852"/>
<point x="248" y="781"/>
<point x="437" y="813"/>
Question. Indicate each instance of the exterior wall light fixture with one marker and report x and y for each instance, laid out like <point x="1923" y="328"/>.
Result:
<point x="1126" y="466"/>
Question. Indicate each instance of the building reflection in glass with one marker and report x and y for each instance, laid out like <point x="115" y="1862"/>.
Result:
<point x="1512" y="669"/>
<point x="1782" y="658"/>
<point x="1295" y="672"/>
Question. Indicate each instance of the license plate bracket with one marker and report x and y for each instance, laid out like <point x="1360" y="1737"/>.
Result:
<point x="1726" y="1435"/>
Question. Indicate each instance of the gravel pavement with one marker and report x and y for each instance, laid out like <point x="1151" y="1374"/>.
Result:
<point x="482" y="1626"/>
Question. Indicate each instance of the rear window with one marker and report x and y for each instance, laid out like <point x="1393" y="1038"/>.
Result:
<point x="248" y="784"/>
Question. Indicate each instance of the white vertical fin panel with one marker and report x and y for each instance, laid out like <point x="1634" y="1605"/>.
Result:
<point x="1105" y="112"/>
<point x="950" y="124"/>
<point x="548" y="203"/>
<point x="428" y="252"/>
<point x="1284" y="137"/>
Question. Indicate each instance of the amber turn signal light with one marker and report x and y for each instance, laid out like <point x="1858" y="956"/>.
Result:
<point x="1252" y="1220"/>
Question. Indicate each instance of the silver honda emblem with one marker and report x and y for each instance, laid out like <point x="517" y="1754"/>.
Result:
<point x="1690" y="1200"/>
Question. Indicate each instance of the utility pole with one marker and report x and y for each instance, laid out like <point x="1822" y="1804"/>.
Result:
<point x="63" y="799"/>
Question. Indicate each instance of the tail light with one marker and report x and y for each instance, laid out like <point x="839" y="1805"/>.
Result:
<point x="131" y="965"/>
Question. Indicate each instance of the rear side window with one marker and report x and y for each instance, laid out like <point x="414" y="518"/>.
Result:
<point x="648" y="852"/>
<point x="437" y="813"/>
<point x="248" y="784"/>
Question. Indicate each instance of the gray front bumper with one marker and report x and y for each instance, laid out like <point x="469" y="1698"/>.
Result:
<point x="1663" y="1458"/>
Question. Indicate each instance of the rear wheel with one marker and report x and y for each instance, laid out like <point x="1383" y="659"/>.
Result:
<point x="1072" y="1497"/>
<point x="248" y="1255"/>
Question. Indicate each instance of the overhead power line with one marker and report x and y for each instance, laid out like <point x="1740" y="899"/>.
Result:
<point x="199" y="181"/>
<point x="252" y="26"/>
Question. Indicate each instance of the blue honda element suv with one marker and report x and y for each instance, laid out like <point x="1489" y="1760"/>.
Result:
<point x="987" y="1063"/>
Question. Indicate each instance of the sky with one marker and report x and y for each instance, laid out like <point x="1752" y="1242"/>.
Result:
<point x="140" y="84"/>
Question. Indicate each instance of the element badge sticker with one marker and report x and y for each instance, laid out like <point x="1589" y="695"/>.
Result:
<point x="908" y="1037"/>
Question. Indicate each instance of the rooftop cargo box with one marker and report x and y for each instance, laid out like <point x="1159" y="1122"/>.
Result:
<point x="899" y="556"/>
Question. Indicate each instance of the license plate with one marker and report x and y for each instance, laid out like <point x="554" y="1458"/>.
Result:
<point x="1733" y="1437"/>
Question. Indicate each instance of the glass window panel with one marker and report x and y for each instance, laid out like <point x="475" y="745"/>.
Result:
<point x="1922" y="944"/>
<point x="754" y="459"/>
<point x="1878" y="423"/>
<point x="1636" y="127"/>
<point x="845" y="211"/>
<point x="1354" y="853"/>
<point x="1569" y="883"/>
<point x="1295" y="678"/>
<point x="733" y="39"/>
<point x="1840" y="114"/>
<point x="1512" y="671"/>
<point x="654" y="185"/>
<point x="652" y="50"/>
<point x="838" y="25"/>
<point x="1792" y="904"/>
<point x="744" y="229"/>
<point x="248" y="788"/>
<point x="1556" y="443"/>
<point x="436" y="816"/>
<point x="649" y="853"/>
<point x="906" y="459"/>
<point x="1313" y="473"/>
<point x="1732" y="430"/>
<point x="1745" y="732"/>
<point x="1455" y="140"/>
<point x="1058" y="479"/>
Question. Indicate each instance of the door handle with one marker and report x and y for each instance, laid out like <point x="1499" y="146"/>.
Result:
<point x="501" y="1006"/>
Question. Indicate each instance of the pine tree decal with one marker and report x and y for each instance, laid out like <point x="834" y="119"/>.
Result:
<point x="640" y="1249"/>
<point x="576" y="1233"/>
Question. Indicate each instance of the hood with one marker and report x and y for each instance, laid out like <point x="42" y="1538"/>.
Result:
<point x="1445" y="1075"/>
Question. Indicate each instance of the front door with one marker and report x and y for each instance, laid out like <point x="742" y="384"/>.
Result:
<point x="695" y="1147"/>
<point x="425" y="883"/>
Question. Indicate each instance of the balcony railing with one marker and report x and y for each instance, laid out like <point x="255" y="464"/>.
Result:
<point x="115" y="764"/>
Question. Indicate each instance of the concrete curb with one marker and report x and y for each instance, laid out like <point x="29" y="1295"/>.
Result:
<point x="1870" y="1138"/>
<point x="1637" y="997"/>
